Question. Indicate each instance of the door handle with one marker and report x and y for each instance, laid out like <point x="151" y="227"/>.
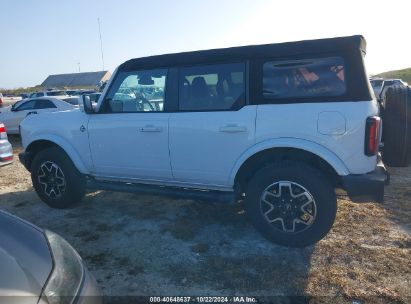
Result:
<point x="233" y="129"/>
<point x="32" y="112"/>
<point x="150" y="128"/>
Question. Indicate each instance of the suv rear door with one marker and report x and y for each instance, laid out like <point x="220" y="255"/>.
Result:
<point x="213" y="126"/>
<point x="129" y="136"/>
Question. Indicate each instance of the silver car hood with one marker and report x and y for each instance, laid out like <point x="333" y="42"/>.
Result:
<point x="25" y="259"/>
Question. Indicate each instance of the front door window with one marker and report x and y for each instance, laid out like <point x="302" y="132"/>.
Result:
<point x="137" y="91"/>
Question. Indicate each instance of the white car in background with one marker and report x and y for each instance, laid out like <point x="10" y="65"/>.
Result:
<point x="13" y="115"/>
<point x="59" y="94"/>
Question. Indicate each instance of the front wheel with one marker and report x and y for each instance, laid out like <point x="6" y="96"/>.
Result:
<point x="56" y="180"/>
<point x="291" y="203"/>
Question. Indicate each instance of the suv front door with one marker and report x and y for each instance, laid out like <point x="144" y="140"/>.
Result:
<point x="129" y="135"/>
<point x="213" y="126"/>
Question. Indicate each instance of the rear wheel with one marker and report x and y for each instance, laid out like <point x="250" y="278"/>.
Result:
<point x="396" y="115"/>
<point x="291" y="204"/>
<point x="55" y="179"/>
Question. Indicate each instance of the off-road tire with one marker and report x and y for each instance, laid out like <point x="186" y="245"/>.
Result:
<point x="74" y="181"/>
<point x="396" y="118"/>
<point x="317" y="185"/>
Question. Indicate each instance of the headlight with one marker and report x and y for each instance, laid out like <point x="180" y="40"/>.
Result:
<point x="67" y="275"/>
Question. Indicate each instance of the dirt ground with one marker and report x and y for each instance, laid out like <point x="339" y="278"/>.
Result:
<point x="153" y="245"/>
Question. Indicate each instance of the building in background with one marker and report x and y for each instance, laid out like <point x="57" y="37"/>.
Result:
<point x="76" y="80"/>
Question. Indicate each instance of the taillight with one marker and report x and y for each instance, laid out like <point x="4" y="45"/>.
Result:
<point x="372" y="135"/>
<point x="3" y="134"/>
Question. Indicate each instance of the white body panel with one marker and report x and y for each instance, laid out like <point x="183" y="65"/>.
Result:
<point x="301" y="122"/>
<point x="190" y="150"/>
<point x="62" y="128"/>
<point x="130" y="145"/>
<point x="204" y="146"/>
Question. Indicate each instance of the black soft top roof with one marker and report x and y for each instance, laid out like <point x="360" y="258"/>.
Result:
<point x="306" y="47"/>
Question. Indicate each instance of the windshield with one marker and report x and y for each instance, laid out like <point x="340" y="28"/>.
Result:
<point x="15" y="105"/>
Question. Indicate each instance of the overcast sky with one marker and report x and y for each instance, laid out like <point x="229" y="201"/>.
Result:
<point x="39" y="38"/>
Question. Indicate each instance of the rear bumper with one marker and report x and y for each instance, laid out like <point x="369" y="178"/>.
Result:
<point x="370" y="185"/>
<point x="6" y="153"/>
<point x="6" y="161"/>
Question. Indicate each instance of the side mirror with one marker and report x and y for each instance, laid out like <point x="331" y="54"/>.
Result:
<point x="86" y="104"/>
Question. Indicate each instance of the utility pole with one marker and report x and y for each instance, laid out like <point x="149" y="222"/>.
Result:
<point x="101" y="43"/>
<point x="78" y="63"/>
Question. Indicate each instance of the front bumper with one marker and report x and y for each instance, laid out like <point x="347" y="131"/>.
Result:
<point x="69" y="280"/>
<point x="25" y="159"/>
<point x="370" y="185"/>
<point x="90" y="292"/>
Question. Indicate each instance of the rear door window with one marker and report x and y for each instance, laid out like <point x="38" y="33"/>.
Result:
<point x="44" y="104"/>
<point x="212" y="87"/>
<point x="318" y="77"/>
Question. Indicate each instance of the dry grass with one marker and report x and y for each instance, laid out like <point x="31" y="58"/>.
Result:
<point x="367" y="255"/>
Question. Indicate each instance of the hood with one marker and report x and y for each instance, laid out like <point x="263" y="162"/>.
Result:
<point x="25" y="258"/>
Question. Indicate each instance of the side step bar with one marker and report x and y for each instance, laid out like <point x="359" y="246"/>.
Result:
<point x="225" y="197"/>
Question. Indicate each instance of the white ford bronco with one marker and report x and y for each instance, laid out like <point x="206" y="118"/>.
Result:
<point x="279" y="126"/>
